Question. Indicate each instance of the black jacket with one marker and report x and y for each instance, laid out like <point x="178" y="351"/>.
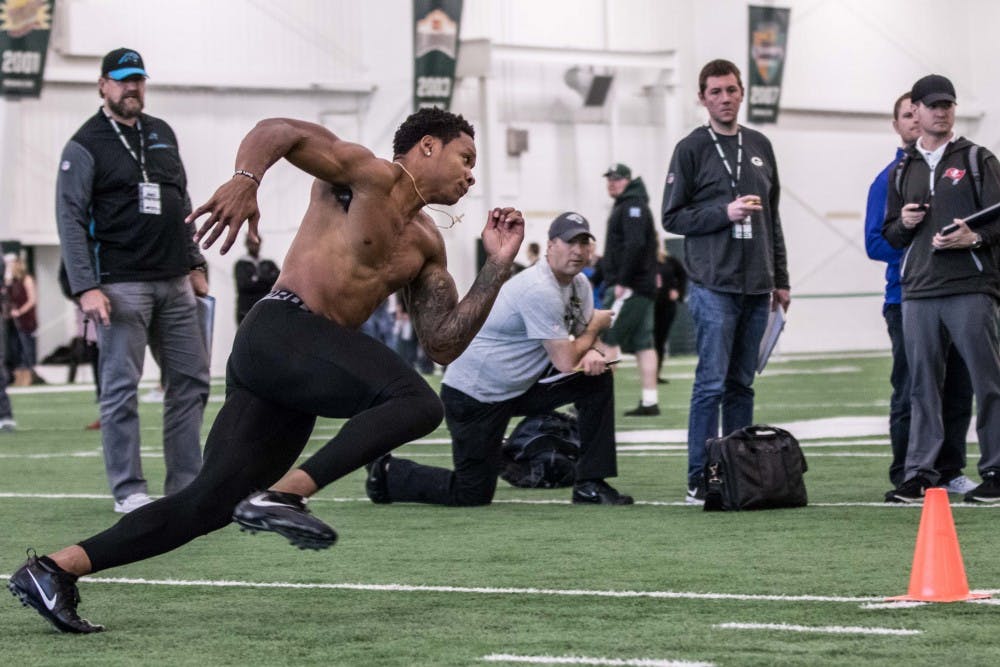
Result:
<point x="695" y="197"/>
<point x="104" y="237"/>
<point x="923" y="272"/>
<point x="630" y="248"/>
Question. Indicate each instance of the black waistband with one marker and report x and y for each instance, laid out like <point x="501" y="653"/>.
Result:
<point x="286" y="295"/>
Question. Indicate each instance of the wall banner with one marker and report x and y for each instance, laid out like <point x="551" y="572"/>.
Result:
<point x="435" y="50"/>
<point x="768" y="40"/>
<point x="24" y="39"/>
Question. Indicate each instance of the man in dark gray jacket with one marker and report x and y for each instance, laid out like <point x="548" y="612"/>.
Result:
<point x="121" y="200"/>
<point x="722" y="194"/>
<point x="951" y="282"/>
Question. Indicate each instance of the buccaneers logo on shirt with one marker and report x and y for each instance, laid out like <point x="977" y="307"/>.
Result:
<point x="954" y="175"/>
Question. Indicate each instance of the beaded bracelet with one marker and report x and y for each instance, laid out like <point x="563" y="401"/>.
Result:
<point x="242" y="172"/>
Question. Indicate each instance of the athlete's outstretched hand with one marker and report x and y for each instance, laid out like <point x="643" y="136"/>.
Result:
<point x="233" y="203"/>
<point x="503" y="234"/>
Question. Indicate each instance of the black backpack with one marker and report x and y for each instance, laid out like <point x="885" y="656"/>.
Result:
<point x="541" y="452"/>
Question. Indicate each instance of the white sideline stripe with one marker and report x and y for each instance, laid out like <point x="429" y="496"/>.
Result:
<point x="580" y="660"/>
<point x="473" y="590"/>
<point x="822" y="629"/>
<point x="900" y="604"/>
<point x="507" y="501"/>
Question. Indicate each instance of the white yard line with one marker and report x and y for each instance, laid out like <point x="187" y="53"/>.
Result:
<point x="581" y="660"/>
<point x="474" y="590"/>
<point x="509" y="501"/>
<point x="821" y="629"/>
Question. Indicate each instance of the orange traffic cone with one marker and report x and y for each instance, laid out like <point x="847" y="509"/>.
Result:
<point x="938" y="573"/>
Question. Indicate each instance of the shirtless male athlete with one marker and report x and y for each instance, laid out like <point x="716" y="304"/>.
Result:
<point x="299" y="353"/>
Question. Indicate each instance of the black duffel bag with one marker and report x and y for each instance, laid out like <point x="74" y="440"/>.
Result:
<point x="541" y="452"/>
<point x="754" y="468"/>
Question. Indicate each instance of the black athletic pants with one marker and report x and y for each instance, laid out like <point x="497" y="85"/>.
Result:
<point x="477" y="431"/>
<point x="287" y="366"/>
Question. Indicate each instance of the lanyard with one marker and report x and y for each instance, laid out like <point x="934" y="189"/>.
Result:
<point x="733" y="180"/>
<point x="141" y="158"/>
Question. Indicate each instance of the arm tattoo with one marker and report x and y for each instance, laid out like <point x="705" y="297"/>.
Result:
<point x="444" y="324"/>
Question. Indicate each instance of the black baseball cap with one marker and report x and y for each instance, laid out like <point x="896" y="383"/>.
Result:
<point x="568" y="226"/>
<point x="618" y="170"/>
<point x="122" y="63"/>
<point x="933" y="88"/>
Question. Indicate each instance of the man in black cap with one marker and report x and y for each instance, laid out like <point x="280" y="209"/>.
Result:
<point x="951" y="282"/>
<point x="629" y="265"/>
<point x="543" y="322"/>
<point x="121" y="202"/>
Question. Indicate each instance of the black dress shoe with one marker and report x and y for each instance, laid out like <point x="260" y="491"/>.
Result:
<point x="598" y="492"/>
<point x="644" y="411"/>
<point x="662" y="381"/>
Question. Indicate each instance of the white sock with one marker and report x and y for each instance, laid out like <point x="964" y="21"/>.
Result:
<point x="650" y="397"/>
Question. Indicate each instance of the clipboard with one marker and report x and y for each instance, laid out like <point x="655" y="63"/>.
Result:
<point x="206" y="321"/>
<point x="983" y="216"/>
<point x="775" y="325"/>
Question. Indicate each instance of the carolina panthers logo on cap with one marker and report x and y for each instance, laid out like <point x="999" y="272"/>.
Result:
<point x="129" y="58"/>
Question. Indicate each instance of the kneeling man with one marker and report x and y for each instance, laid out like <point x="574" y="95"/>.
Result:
<point x="543" y="321"/>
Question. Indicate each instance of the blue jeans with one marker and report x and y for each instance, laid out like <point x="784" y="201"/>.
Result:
<point x="728" y="328"/>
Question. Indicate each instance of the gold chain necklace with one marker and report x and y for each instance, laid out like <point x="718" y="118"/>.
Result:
<point x="454" y="220"/>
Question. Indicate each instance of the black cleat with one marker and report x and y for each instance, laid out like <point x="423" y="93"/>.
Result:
<point x="42" y="584"/>
<point x="598" y="492"/>
<point x="377" y="481"/>
<point x="286" y="515"/>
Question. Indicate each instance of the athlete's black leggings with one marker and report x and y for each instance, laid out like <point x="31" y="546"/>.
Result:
<point x="287" y="367"/>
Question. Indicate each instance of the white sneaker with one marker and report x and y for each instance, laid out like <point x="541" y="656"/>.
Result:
<point x="154" y="395"/>
<point x="132" y="503"/>
<point x="961" y="485"/>
<point x="7" y="425"/>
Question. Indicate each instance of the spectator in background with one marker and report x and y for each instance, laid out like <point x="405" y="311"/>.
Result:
<point x="254" y="277"/>
<point x="7" y="423"/>
<point x="671" y="284"/>
<point x="22" y="322"/>
<point x="533" y="252"/>
<point x="722" y="194"/>
<point x="629" y="265"/>
<point x="381" y="324"/>
<point x="408" y="344"/>
<point x="133" y="266"/>
<point x="957" y="395"/>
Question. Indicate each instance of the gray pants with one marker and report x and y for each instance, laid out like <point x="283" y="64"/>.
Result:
<point x="969" y="322"/>
<point x="163" y="314"/>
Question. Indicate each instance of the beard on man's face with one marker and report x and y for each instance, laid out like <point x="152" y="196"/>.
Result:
<point x="128" y="106"/>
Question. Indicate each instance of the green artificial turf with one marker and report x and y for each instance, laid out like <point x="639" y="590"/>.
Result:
<point x="421" y="585"/>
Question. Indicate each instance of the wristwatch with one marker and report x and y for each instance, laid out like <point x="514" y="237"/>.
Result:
<point x="978" y="243"/>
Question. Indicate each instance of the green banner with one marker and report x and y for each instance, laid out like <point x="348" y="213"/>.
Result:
<point x="24" y="39"/>
<point x="435" y="49"/>
<point x="768" y="40"/>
